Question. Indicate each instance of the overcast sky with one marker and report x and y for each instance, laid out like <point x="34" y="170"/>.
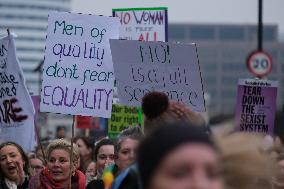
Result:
<point x="193" y="11"/>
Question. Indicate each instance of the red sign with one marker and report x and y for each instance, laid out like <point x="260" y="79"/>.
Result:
<point x="259" y="63"/>
<point x="84" y="122"/>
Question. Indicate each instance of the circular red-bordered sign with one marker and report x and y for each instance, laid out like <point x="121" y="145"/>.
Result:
<point x="259" y="63"/>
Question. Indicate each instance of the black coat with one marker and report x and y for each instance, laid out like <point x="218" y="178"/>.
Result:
<point x="3" y="185"/>
<point x="96" y="184"/>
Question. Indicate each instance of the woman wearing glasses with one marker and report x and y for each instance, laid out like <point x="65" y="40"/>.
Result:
<point x="37" y="165"/>
<point x="104" y="156"/>
<point x="59" y="167"/>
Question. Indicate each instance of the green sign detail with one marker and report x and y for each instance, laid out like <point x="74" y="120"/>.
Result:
<point x="122" y="117"/>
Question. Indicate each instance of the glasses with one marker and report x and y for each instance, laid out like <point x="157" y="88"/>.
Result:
<point x="104" y="156"/>
<point x="36" y="167"/>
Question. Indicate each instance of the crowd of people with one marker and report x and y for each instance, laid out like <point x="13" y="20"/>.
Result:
<point x="175" y="150"/>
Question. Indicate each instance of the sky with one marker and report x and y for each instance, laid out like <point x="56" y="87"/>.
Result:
<point x="196" y="11"/>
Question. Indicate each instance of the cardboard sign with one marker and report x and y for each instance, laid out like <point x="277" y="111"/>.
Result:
<point x="123" y="117"/>
<point x="171" y="68"/>
<point x="144" y="24"/>
<point x="16" y="107"/>
<point x="256" y="105"/>
<point x="78" y="73"/>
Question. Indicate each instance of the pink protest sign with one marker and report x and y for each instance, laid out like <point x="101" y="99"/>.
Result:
<point x="256" y="105"/>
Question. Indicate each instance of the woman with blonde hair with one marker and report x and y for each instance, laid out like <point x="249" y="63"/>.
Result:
<point x="59" y="167"/>
<point x="245" y="163"/>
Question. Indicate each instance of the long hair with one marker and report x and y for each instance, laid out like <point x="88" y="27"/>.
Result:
<point x="245" y="163"/>
<point x="25" y="158"/>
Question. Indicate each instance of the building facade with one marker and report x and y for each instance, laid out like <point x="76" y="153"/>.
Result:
<point x="223" y="49"/>
<point x="28" y="20"/>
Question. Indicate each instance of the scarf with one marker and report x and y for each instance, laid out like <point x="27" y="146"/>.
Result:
<point x="78" y="181"/>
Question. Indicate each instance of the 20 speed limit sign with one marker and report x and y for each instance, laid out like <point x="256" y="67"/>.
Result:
<point x="259" y="63"/>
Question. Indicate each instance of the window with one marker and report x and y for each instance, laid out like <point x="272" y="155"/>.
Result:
<point x="25" y="49"/>
<point x="231" y="33"/>
<point x="229" y="94"/>
<point x="234" y="53"/>
<point x="176" y="32"/>
<point x="208" y="67"/>
<point x="268" y="34"/>
<point x="202" y="32"/>
<point x="212" y="93"/>
<point x="227" y="66"/>
<point x="210" y="80"/>
<point x="207" y="52"/>
<point x="273" y="53"/>
<point x="230" y="81"/>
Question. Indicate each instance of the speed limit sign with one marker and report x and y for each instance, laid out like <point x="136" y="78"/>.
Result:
<point x="259" y="63"/>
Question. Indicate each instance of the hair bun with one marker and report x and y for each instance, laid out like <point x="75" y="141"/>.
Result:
<point x="154" y="104"/>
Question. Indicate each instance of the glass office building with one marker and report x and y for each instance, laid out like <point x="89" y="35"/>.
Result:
<point x="28" y="20"/>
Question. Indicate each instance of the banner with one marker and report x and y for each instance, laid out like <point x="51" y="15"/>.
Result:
<point x="256" y="105"/>
<point x="144" y="24"/>
<point x="171" y="68"/>
<point x="78" y="73"/>
<point x="123" y="117"/>
<point x="16" y="107"/>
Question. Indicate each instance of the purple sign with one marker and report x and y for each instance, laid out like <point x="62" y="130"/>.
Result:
<point x="256" y="105"/>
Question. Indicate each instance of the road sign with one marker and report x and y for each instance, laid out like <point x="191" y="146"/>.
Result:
<point x="259" y="63"/>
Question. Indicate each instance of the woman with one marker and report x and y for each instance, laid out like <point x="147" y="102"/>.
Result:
<point x="179" y="156"/>
<point x="86" y="148"/>
<point x="245" y="163"/>
<point x="104" y="156"/>
<point x="59" y="167"/>
<point x="37" y="165"/>
<point x="14" y="166"/>
<point x="90" y="172"/>
<point x="126" y="147"/>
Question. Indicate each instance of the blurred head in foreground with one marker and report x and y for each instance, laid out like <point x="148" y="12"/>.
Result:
<point x="178" y="156"/>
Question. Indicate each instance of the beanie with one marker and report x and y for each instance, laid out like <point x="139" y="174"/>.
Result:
<point x="162" y="141"/>
<point x="159" y="110"/>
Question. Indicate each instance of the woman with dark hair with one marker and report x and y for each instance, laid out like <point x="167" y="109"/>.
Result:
<point x="104" y="156"/>
<point x="178" y="156"/>
<point x="59" y="167"/>
<point x="14" y="166"/>
<point x="86" y="150"/>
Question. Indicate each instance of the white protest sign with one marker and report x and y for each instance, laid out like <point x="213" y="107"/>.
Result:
<point x="16" y="107"/>
<point x="3" y="53"/>
<point x="172" y="68"/>
<point x="78" y="73"/>
<point x="144" y="24"/>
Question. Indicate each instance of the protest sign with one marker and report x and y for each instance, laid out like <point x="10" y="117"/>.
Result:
<point x="144" y="24"/>
<point x="172" y="68"/>
<point x="123" y="117"/>
<point x="16" y="107"/>
<point x="256" y="105"/>
<point x="78" y="73"/>
<point x="84" y="122"/>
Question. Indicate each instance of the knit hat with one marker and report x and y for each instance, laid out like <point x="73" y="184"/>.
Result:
<point x="162" y="141"/>
<point x="159" y="110"/>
